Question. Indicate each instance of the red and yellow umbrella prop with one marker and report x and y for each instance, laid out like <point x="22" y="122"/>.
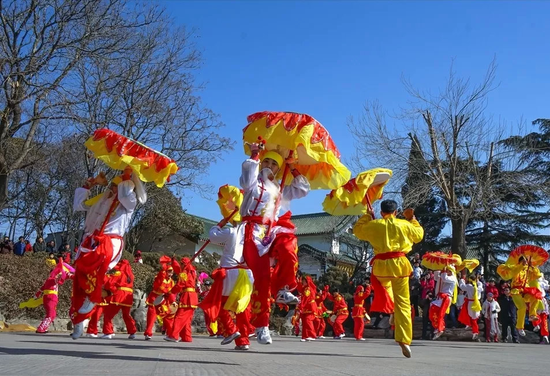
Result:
<point x="535" y="256"/>
<point x="118" y="151"/>
<point x="470" y="264"/>
<point x="358" y="194"/>
<point x="439" y="260"/>
<point x="304" y="139"/>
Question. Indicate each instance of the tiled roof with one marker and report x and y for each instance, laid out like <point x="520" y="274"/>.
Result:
<point x="306" y="224"/>
<point x="320" y="223"/>
<point x="306" y="248"/>
<point x="207" y="225"/>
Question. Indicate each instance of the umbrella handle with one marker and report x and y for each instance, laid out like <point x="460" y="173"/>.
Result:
<point x="221" y="223"/>
<point x="266" y="240"/>
<point x="369" y="205"/>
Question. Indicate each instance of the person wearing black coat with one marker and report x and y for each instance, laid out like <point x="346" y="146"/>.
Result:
<point x="508" y="315"/>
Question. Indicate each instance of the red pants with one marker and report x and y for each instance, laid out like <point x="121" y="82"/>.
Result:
<point x="90" y="269"/>
<point x="437" y="314"/>
<point x="182" y="325"/>
<point x="488" y="331"/>
<point x="168" y="323"/>
<point x="94" y="319"/>
<point x="50" y="304"/>
<point x="151" y="318"/>
<point x="260" y="267"/>
<point x="358" y="327"/>
<point x="110" y="312"/>
<point x="284" y="249"/>
<point x="320" y="326"/>
<point x="473" y="323"/>
<point x="308" y="327"/>
<point x="544" y="324"/>
<point x="542" y="321"/>
<point x="229" y="328"/>
<point x="337" y="326"/>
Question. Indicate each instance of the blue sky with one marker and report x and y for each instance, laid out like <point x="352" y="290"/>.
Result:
<point x="327" y="58"/>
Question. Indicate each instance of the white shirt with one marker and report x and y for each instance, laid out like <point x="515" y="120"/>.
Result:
<point x="260" y="195"/>
<point x="445" y="284"/>
<point x="460" y="301"/>
<point x="119" y="221"/>
<point x="232" y="256"/>
<point x="232" y="239"/>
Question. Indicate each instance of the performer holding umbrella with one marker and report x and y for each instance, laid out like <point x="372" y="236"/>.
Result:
<point x="280" y="142"/>
<point x="108" y="215"/>
<point x="522" y="268"/>
<point x="391" y="239"/>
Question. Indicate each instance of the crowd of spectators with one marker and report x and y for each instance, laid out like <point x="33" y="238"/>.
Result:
<point x="24" y="247"/>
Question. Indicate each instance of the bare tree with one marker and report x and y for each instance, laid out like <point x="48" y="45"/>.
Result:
<point x="149" y="94"/>
<point x="41" y="43"/>
<point x="454" y="140"/>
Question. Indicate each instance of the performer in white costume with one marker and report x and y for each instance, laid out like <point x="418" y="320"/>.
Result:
<point x="258" y="212"/>
<point x="103" y="238"/>
<point x="232" y="288"/>
<point x="446" y="293"/>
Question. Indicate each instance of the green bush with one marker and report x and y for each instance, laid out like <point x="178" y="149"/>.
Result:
<point x="21" y="278"/>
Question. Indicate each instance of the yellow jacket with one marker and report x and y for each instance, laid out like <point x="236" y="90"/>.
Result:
<point x="386" y="235"/>
<point x="521" y="276"/>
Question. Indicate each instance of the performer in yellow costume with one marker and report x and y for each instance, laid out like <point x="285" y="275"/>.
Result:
<point x="524" y="289"/>
<point x="392" y="239"/>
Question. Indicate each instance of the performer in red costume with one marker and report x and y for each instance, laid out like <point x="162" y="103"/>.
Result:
<point x="308" y="308"/>
<point x="340" y="309"/>
<point x="103" y="239"/>
<point x="359" y="312"/>
<point x="120" y="286"/>
<point x="320" y="323"/>
<point x="162" y="285"/>
<point x="49" y="292"/>
<point x="258" y="211"/>
<point x="189" y="300"/>
<point x="166" y="311"/>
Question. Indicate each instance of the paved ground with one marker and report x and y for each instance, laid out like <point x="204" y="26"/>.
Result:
<point x="56" y="354"/>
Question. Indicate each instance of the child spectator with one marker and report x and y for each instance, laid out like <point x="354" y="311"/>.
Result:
<point x="508" y="316"/>
<point x="490" y="310"/>
<point x="417" y="271"/>
<point x="491" y="288"/>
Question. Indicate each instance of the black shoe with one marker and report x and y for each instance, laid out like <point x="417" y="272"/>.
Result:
<point x="516" y="341"/>
<point x="504" y="341"/>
